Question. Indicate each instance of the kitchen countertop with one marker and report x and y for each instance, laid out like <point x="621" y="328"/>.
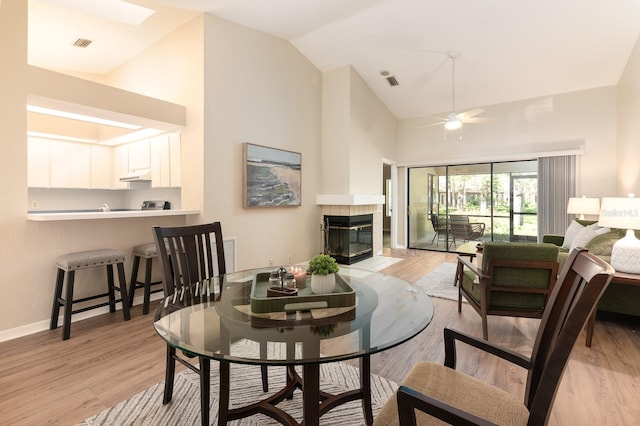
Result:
<point x="43" y="216"/>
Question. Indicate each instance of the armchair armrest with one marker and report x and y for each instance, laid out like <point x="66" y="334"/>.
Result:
<point x="553" y="239"/>
<point x="477" y="226"/>
<point x="410" y="400"/>
<point x="472" y="267"/>
<point x="451" y="335"/>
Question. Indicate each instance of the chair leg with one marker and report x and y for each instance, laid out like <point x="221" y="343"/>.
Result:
<point x="205" y="383"/>
<point x="147" y="285"/>
<point x="365" y="386"/>
<point x="225" y="387"/>
<point x="169" y="374"/>
<point x="134" y="279"/>
<point x="68" y="306"/>
<point x="55" y="310"/>
<point x="263" y="369"/>
<point x="485" y="329"/>
<point x="123" y="292"/>
<point x="111" y="286"/>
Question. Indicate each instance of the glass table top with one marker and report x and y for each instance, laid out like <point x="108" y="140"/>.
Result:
<point x="387" y="311"/>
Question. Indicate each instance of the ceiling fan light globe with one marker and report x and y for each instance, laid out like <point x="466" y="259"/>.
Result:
<point x="454" y="124"/>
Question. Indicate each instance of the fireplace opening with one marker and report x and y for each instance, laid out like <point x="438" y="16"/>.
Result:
<point x="349" y="239"/>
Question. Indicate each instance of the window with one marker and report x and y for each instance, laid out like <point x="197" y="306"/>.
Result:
<point x="500" y="196"/>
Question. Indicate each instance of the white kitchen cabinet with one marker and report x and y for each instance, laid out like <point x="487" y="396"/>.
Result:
<point x="165" y="161"/>
<point x="139" y="155"/>
<point x="160" y="169"/>
<point x="38" y="163"/>
<point x="70" y="165"/>
<point x="175" y="160"/>
<point x="101" y="167"/>
<point x="120" y="165"/>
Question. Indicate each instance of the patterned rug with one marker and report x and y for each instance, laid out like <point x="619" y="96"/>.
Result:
<point x="146" y="407"/>
<point x="439" y="282"/>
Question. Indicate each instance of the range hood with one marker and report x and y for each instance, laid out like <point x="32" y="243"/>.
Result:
<point x="139" y="175"/>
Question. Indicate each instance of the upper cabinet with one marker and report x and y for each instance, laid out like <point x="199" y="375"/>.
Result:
<point x="61" y="164"/>
<point x="70" y="165"/>
<point x="165" y="161"/>
<point x="101" y="167"/>
<point x="139" y="155"/>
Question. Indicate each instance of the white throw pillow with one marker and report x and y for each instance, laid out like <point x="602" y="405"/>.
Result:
<point x="587" y="234"/>
<point x="571" y="232"/>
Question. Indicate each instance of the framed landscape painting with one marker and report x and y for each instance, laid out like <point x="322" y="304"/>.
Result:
<point x="272" y="177"/>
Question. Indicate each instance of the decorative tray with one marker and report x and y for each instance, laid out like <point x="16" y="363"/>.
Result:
<point x="342" y="296"/>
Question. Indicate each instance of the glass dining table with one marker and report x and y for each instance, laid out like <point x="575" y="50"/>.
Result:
<point x="384" y="312"/>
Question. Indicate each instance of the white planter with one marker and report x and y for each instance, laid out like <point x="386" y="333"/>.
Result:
<point x="323" y="284"/>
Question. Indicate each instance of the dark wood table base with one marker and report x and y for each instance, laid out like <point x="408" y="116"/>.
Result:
<point x="315" y="402"/>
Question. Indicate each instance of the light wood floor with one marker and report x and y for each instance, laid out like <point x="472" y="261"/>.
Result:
<point x="44" y="380"/>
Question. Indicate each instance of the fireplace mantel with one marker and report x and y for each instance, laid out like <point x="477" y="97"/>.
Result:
<point x="348" y="199"/>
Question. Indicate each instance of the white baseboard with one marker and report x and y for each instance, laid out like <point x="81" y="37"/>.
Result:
<point x="36" y="327"/>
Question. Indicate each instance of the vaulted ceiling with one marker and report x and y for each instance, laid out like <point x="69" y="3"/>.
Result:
<point x="507" y="50"/>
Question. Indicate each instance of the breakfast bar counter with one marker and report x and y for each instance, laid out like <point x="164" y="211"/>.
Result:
<point x="44" y="216"/>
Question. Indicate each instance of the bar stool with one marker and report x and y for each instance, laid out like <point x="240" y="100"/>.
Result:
<point x="72" y="262"/>
<point x="147" y="251"/>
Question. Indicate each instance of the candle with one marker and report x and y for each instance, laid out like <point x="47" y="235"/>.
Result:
<point x="300" y="274"/>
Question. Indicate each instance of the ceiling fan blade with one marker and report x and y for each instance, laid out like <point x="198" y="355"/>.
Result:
<point x="470" y="113"/>
<point x="475" y="120"/>
<point x="429" y="125"/>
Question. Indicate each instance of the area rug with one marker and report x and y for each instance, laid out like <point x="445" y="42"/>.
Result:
<point x="146" y="407"/>
<point x="439" y="282"/>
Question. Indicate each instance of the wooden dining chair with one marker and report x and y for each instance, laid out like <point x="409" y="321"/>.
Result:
<point x="187" y="256"/>
<point x="440" y="392"/>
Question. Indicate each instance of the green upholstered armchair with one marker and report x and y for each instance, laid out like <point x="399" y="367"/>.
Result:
<point x="510" y="279"/>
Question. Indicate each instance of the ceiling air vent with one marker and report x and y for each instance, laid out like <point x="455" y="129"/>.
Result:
<point x="390" y="79"/>
<point x="82" y="42"/>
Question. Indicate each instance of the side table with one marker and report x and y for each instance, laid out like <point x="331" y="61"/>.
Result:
<point x="618" y="278"/>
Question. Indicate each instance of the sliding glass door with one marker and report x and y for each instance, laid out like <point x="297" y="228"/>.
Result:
<point x="453" y="205"/>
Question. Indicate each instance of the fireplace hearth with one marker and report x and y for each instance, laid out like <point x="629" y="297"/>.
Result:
<point x="349" y="239"/>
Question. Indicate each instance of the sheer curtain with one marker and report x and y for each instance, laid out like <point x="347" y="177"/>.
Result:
<point x="556" y="183"/>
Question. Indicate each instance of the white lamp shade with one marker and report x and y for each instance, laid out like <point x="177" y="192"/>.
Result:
<point x="621" y="213"/>
<point x="583" y="206"/>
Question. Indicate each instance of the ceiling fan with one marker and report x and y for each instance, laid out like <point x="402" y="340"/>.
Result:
<point x="455" y="120"/>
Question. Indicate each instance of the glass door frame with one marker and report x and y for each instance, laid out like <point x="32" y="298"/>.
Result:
<point x="486" y="202"/>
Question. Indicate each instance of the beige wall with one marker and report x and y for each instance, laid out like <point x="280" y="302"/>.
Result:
<point x="359" y="132"/>
<point x="335" y="151"/>
<point x="628" y="170"/>
<point x="524" y="129"/>
<point x="372" y="138"/>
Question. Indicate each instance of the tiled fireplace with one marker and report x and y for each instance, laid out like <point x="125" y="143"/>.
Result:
<point x="358" y="233"/>
<point x="349" y="239"/>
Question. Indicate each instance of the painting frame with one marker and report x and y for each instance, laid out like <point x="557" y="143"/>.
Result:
<point x="272" y="177"/>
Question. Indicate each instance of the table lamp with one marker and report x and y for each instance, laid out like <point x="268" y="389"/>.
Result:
<point x="583" y="205"/>
<point x="623" y="213"/>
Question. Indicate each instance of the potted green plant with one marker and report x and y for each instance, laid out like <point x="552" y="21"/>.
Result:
<point x="322" y="269"/>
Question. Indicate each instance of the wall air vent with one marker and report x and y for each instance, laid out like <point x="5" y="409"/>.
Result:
<point x="82" y="42"/>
